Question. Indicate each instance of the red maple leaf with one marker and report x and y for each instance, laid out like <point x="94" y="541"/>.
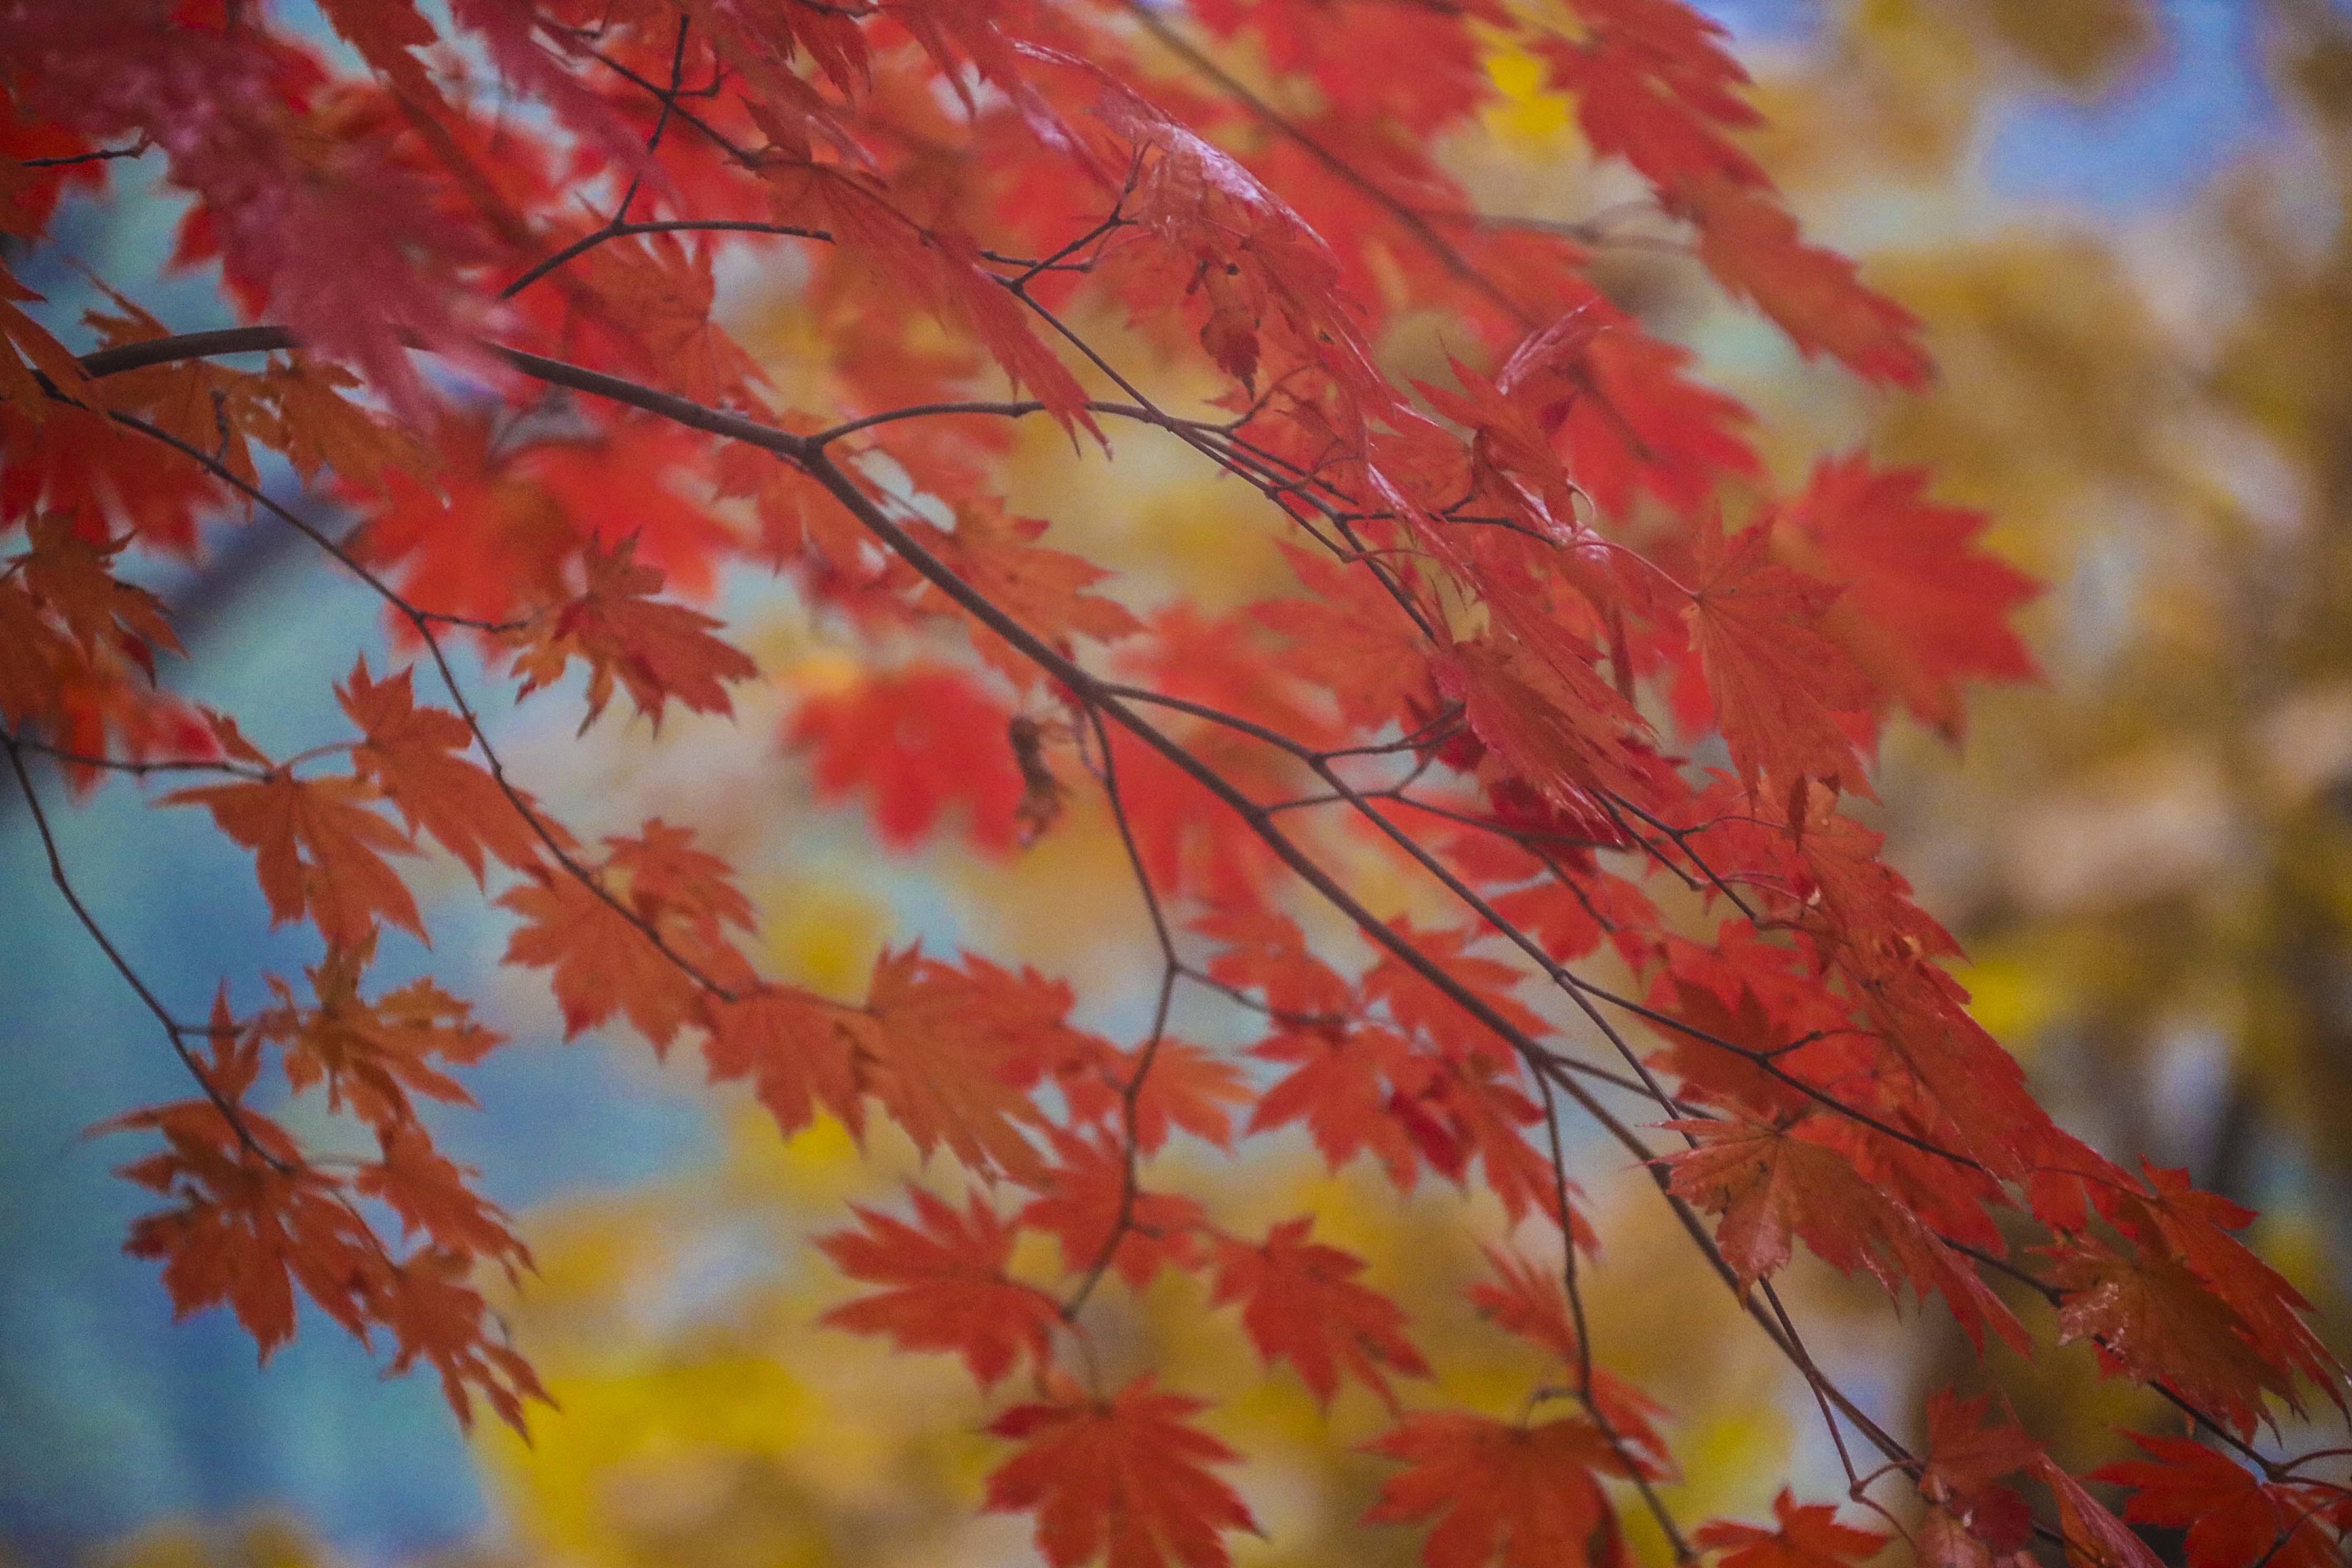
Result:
<point x="1522" y="569"/>
<point x="1922" y="609"/>
<point x="2172" y="1212"/>
<point x="2158" y="1321"/>
<point x="939" y="1050"/>
<point x="1752" y="245"/>
<point x="661" y="291"/>
<point x="947" y="1286"/>
<point x="1351" y="638"/>
<point x="2094" y="1537"/>
<point x="1124" y="1479"/>
<point x="1300" y="1302"/>
<point x="1524" y="1497"/>
<point x="1975" y="1519"/>
<point x="1555" y="724"/>
<point x="2233" y="1517"/>
<point x="1047" y="591"/>
<point x="1770" y="1185"/>
<point x="1084" y="1203"/>
<point x="1572" y="912"/>
<point x="1533" y="1304"/>
<point x="1779" y="687"/>
<point x="1808" y="1537"/>
<point x="919" y="740"/>
<point x="1264" y="951"/>
<point x="1338" y="1086"/>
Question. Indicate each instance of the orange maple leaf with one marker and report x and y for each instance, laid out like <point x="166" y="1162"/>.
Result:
<point x="411" y="753"/>
<point x="1003" y="326"/>
<point x="316" y="851"/>
<point x="1187" y="1087"/>
<point x="657" y="650"/>
<point x="250" y="1218"/>
<point x="67" y="573"/>
<point x="798" y="1053"/>
<point x="1639" y="421"/>
<point x="606" y="962"/>
<point x="205" y="405"/>
<point x="940" y="267"/>
<point x="373" y="1055"/>
<point x="1264" y="951"/>
<point x="437" y="1317"/>
<point x="318" y="429"/>
<point x="934" y="1051"/>
<point x="428" y="1190"/>
<point x="603" y="963"/>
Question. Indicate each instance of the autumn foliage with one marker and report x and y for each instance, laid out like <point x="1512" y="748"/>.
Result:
<point x="1555" y="647"/>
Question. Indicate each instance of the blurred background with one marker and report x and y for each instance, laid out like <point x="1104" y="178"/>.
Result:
<point x="2124" y="221"/>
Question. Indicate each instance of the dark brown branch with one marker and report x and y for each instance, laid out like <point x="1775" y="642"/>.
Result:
<point x="1583" y="1330"/>
<point x="213" y="344"/>
<point x="618" y="230"/>
<point x="101" y="155"/>
<point x="1131" y="1092"/>
<point x="139" y="769"/>
<point x="174" y="1030"/>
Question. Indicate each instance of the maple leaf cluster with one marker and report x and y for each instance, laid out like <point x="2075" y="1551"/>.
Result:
<point x="1524" y="661"/>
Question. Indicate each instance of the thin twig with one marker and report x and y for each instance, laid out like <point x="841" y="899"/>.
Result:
<point x="173" y="1031"/>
